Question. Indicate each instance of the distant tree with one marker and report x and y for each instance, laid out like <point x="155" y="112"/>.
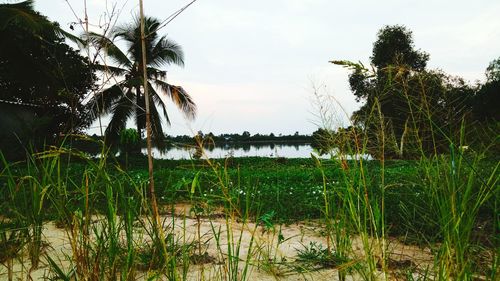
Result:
<point x="126" y="98"/>
<point x="323" y="141"/>
<point x="245" y="134"/>
<point x="344" y="140"/>
<point x="129" y="140"/>
<point x="129" y="143"/>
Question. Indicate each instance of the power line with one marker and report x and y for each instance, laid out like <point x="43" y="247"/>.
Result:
<point x="172" y="17"/>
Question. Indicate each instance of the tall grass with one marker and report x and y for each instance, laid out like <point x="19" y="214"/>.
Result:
<point x="451" y="189"/>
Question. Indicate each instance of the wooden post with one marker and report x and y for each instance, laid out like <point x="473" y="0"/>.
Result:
<point x="148" y="117"/>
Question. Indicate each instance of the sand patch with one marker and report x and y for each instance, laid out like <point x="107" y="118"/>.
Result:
<point x="265" y="254"/>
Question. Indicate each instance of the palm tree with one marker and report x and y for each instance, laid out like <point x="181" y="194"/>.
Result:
<point x="126" y="99"/>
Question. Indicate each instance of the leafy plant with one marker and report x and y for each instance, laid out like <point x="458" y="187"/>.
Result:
<point x="315" y="255"/>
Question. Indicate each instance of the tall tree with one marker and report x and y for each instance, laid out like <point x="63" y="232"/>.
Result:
<point x="126" y="98"/>
<point x="405" y="105"/>
<point x="38" y="67"/>
<point x="393" y="54"/>
<point x="394" y="46"/>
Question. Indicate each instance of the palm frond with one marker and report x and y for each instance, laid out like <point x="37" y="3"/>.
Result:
<point x="122" y="110"/>
<point x="110" y="69"/>
<point x="23" y="14"/>
<point x="109" y="47"/>
<point x="159" y="102"/>
<point x="130" y="33"/>
<point x="156" y="73"/>
<point x="102" y="103"/>
<point x="158" y="137"/>
<point x="166" y="52"/>
<point x="73" y="38"/>
<point x="132" y="82"/>
<point x="180" y="98"/>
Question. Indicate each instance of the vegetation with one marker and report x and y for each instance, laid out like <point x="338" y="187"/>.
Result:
<point x="413" y="101"/>
<point x="42" y="73"/>
<point x="432" y="216"/>
<point x="409" y="200"/>
<point x="487" y="96"/>
<point x="126" y="98"/>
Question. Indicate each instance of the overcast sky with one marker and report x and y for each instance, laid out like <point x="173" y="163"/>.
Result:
<point x="252" y="65"/>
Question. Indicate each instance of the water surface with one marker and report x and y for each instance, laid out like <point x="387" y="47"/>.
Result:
<point x="269" y="150"/>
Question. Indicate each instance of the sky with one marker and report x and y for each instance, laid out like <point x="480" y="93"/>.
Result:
<point x="254" y="65"/>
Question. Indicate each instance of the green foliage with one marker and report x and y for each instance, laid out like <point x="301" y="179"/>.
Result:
<point x="394" y="46"/>
<point x="126" y="98"/>
<point x="439" y="202"/>
<point x="23" y="14"/>
<point x="326" y="141"/>
<point x="315" y="255"/>
<point x="493" y="70"/>
<point x="267" y="220"/>
<point x="487" y="98"/>
<point x="407" y="109"/>
<point x="323" y="141"/>
<point x="129" y="140"/>
<point x="150" y="256"/>
<point x="38" y="67"/>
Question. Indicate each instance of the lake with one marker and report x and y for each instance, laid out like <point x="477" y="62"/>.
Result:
<point x="267" y="150"/>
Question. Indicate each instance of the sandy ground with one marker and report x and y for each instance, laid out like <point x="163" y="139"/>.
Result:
<point x="264" y="248"/>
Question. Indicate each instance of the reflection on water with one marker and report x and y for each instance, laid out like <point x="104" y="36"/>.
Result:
<point x="245" y="150"/>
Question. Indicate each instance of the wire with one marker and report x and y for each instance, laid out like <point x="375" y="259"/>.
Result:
<point x="85" y="29"/>
<point x="172" y="17"/>
<point x="164" y="23"/>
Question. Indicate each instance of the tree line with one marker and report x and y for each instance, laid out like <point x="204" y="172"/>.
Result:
<point x="235" y="138"/>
